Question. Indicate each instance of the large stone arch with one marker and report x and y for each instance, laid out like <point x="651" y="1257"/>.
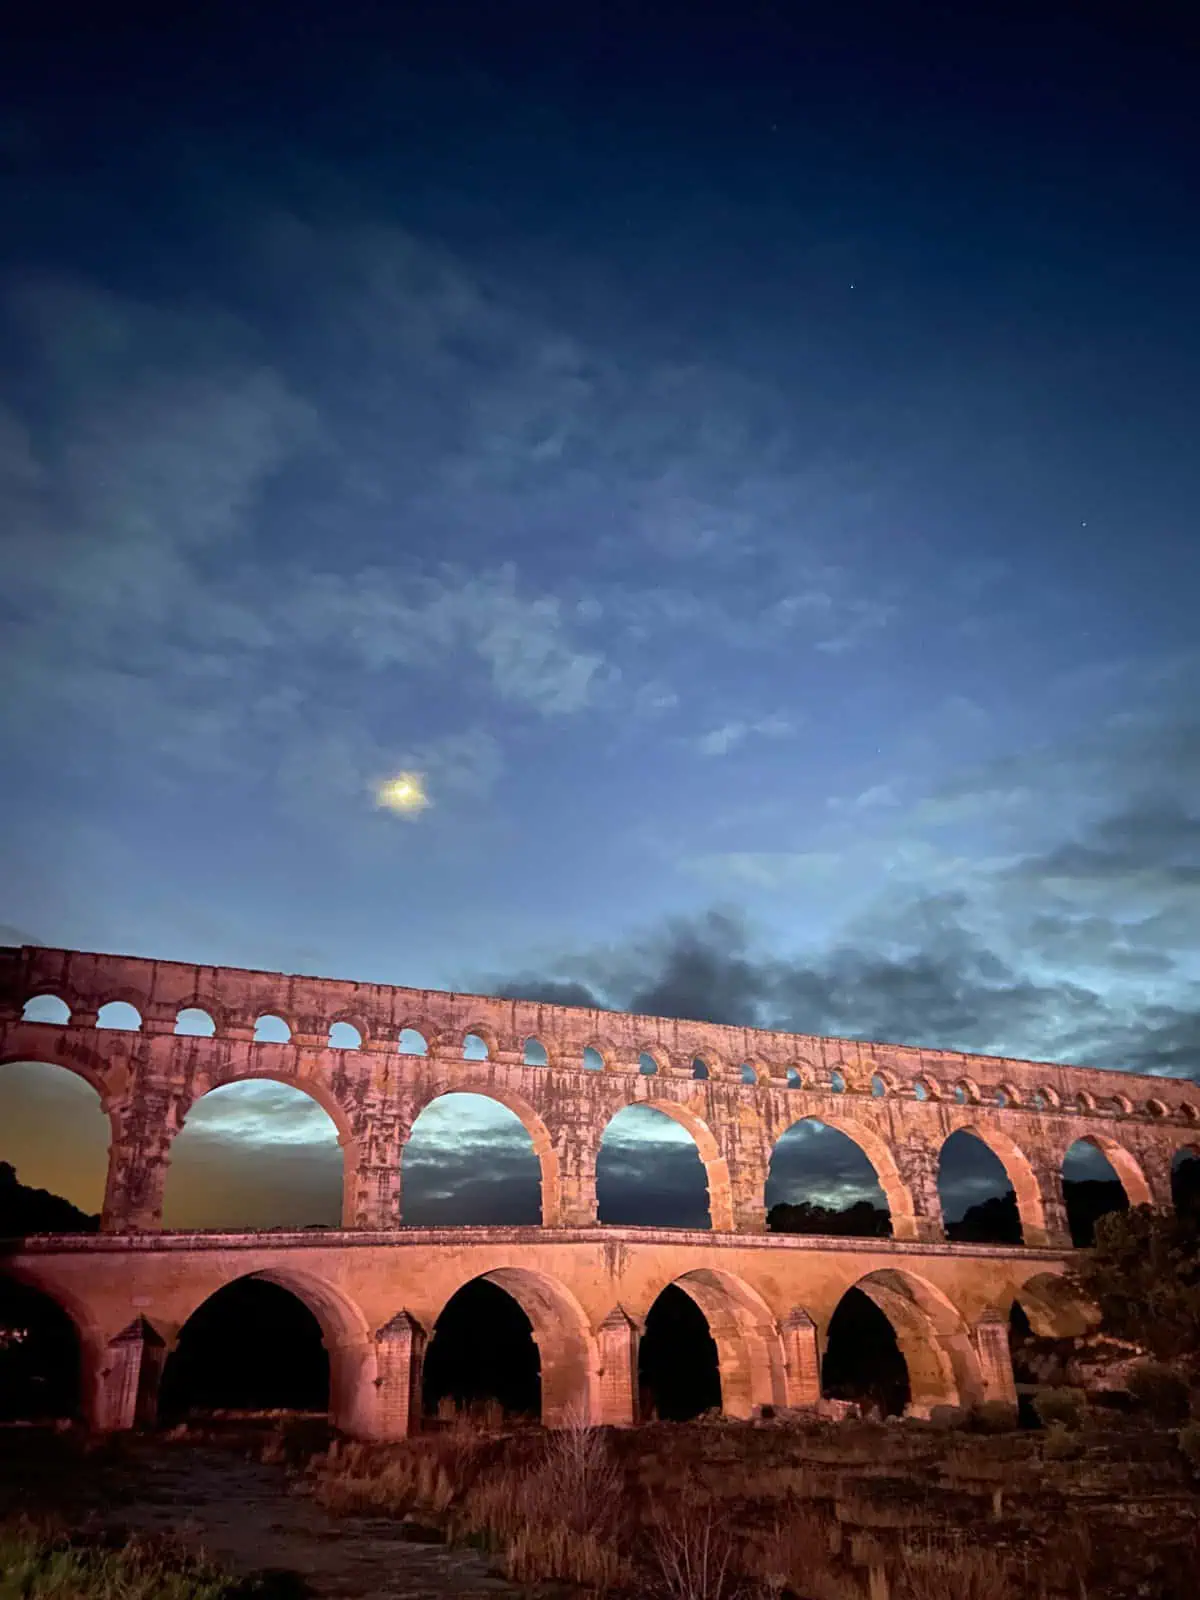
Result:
<point x="1020" y="1173"/>
<point x="566" y="1345"/>
<point x="1126" y="1166"/>
<point x="716" y="1167"/>
<point x="344" y="1331"/>
<point x="749" y="1349"/>
<point x="1055" y="1308"/>
<point x="530" y="1119"/>
<point x="879" y="1153"/>
<point x="933" y="1338"/>
<point x="108" y="1083"/>
<point x="97" y="1071"/>
<point x="316" y="1089"/>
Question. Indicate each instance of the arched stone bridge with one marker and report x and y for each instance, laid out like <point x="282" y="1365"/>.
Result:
<point x="377" y="1288"/>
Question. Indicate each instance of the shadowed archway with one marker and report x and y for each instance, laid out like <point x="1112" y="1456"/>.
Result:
<point x="252" y="1346"/>
<point x="555" y="1328"/>
<point x="930" y="1335"/>
<point x="862" y="1357"/>
<point x="482" y="1353"/>
<point x="679" y="1370"/>
<point x="745" y="1335"/>
<point x="41" y="1357"/>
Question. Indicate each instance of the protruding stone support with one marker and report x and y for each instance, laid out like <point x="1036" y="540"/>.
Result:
<point x="124" y="1387"/>
<point x="802" y="1359"/>
<point x="400" y="1355"/>
<point x="990" y="1339"/>
<point x="617" y="1338"/>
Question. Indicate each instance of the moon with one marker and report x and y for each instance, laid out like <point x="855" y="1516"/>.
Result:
<point x="404" y="793"/>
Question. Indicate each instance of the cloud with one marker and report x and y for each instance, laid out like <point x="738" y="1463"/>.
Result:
<point x="1080" y="951"/>
<point x="721" y="740"/>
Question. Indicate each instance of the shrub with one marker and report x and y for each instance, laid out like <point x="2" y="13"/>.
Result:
<point x="1060" y="1444"/>
<point x="1068" y="1407"/>
<point x="1160" y="1391"/>
<point x="946" y="1416"/>
<point x="1189" y="1443"/>
<point x="692" y="1552"/>
<point x="994" y="1416"/>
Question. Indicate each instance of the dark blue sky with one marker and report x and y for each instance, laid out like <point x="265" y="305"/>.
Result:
<point x="744" y="461"/>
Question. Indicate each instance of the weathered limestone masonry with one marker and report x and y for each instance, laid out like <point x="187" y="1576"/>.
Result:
<point x="377" y="1287"/>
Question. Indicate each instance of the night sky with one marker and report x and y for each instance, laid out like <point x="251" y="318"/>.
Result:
<point x="741" y="458"/>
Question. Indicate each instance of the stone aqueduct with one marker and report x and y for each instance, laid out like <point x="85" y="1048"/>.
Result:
<point x="377" y="1287"/>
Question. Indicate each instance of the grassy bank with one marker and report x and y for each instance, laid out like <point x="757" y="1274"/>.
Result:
<point x="37" y="1565"/>
<point x="852" y="1512"/>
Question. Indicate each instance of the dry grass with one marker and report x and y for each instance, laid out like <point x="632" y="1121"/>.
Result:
<point x="693" y="1554"/>
<point x="696" y="1513"/>
<point x="952" y="1572"/>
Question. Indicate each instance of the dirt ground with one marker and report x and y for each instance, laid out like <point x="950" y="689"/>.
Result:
<point x="243" y="1514"/>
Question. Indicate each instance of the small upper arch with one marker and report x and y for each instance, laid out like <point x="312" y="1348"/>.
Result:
<point x="195" y="1022"/>
<point x="344" y="1035"/>
<point x="593" y="1059"/>
<point x="926" y="1088"/>
<point x="271" y="1027"/>
<point x="967" y="1092"/>
<point x="203" y="1005"/>
<point x="1155" y="1108"/>
<point x="1008" y="1096"/>
<point x="1049" y="1097"/>
<point x="476" y="1036"/>
<point x="50" y="1008"/>
<point x="534" y="1053"/>
<point x="1188" y="1111"/>
<point x="121" y="1014"/>
<point x="653" y="1059"/>
<point x="1085" y="1102"/>
<point x="412" y="1041"/>
<point x="1122" y="1105"/>
<point x="755" y="1072"/>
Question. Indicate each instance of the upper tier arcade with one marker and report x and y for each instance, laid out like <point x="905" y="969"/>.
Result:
<point x="565" y="1071"/>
